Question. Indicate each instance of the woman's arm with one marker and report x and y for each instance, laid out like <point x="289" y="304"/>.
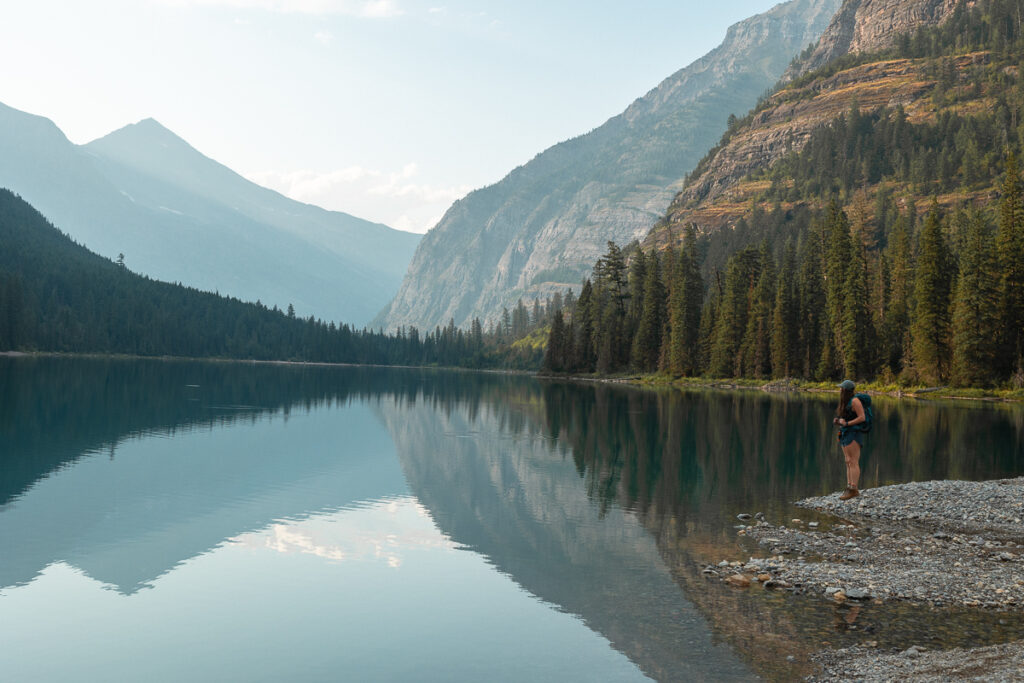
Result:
<point x="859" y="410"/>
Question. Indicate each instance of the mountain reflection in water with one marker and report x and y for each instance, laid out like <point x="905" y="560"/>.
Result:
<point x="601" y="501"/>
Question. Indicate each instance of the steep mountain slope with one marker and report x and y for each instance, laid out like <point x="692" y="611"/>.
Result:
<point x="147" y="149"/>
<point x="541" y="227"/>
<point x="873" y="25"/>
<point x="178" y="216"/>
<point x="882" y="72"/>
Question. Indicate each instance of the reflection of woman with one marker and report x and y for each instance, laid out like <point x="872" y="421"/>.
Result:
<point x="850" y="414"/>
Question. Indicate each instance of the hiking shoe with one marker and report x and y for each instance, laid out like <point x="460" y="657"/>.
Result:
<point x="850" y="492"/>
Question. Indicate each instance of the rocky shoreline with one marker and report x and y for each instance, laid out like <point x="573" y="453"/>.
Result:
<point x="939" y="543"/>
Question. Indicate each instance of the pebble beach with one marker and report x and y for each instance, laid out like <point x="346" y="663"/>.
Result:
<point x="937" y="543"/>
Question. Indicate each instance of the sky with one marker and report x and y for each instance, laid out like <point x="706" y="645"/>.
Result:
<point x="386" y="109"/>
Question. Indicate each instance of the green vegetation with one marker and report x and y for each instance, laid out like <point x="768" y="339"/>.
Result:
<point x="57" y="296"/>
<point x="841" y="277"/>
<point x="943" y="307"/>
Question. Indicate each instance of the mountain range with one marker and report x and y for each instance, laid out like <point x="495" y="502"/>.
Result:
<point x="179" y="216"/>
<point x="539" y="229"/>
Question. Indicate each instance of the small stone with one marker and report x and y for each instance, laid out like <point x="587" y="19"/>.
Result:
<point x="796" y="521"/>
<point x="743" y="517"/>
<point x="858" y="594"/>
<point x="723" y="563"/>
<point x="813" y="525"/>
<point x="759" y="516"/>
<point x="1007" y="557"/>
<point x="839" y="596"/>
<point x="790" y="658"/>
<point x="738" y="580"/>
<point x="764" y="577"/>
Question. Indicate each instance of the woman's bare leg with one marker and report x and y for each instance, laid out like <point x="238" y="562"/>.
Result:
<point x="852" y="455"/>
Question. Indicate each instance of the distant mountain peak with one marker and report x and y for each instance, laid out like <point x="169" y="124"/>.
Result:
<point x="148" y="131"/>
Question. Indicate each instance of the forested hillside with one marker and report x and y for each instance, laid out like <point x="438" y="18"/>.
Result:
<point x="879" y="234"/>
<point x="539" y="229"/>
<point x="56" y="295"/>
<point x="179" y="216"/>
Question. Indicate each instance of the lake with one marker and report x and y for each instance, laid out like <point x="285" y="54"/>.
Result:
<point x="168" y="521"/>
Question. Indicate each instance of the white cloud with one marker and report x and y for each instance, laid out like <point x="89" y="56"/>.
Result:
<point x="396" y="198"/>
<point x="371" y="9"/>
<point x="324" y="37"/>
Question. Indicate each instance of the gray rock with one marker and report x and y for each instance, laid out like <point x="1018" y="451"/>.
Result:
<point x="541" y="228"/>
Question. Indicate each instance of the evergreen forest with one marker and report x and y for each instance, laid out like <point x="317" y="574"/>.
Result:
<point x="883" y="249"/>
<point x="57" y="296"/>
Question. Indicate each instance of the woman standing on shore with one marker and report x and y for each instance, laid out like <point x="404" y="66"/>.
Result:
<point x="850" y="414"/>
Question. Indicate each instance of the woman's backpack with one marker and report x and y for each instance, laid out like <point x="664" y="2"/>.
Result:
<point x="869" y="414"/>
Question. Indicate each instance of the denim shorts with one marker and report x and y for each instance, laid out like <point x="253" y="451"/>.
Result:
<point x="848" y="436"/>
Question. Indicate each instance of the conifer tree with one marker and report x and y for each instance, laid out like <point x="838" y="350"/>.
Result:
<point x="555" y="357"/>
<point x="708" y="322"/>
<point x="742" y="272"/>
<point x="685" y="308"/>
<point x="976" y="309"/>
<point x="583" y="330"/>
<point x="1010" y="254"/>
<point x="611" y="345"/>
<point x="932" y="284"/>
<point x="755" y="349"/>
<point x="811" y="294"/>
<point x="837" y="235"/>
<point x="651" y="323"/>
<point x="784" y="318"/>
<point x="855" y="318"/>
<point x="637" y="276"/>
<point x="900" y="258"/>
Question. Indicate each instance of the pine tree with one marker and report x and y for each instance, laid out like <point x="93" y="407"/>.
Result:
<point x="837" y="235"/>
<point x="812" y="314"/>
<point x="901" y="288"/>
<point x="708" y="323"/>
<point x="976" y="309"/>
<point x="1010" y="255"/>
<point x="584" y="357"/>
<point x="855" y="317"/>
<point x="755" y="349"/>
<point x="647" y="343"/>
<point x="555" y="357"/>
<point x="742" y="272"/>
<point x="685" y="309"/>
<point x="930" y="324"/>
<point x="784" y="318"/>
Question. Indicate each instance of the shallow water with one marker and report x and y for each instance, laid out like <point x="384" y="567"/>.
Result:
<point x="173" y="520"/>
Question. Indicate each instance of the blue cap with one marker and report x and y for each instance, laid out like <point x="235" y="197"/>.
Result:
<point x="847" y="384"/>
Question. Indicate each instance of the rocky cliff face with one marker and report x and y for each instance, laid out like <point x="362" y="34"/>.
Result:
<point x="872" y="25"/>
<point x="720" y="193"/>
<point x="541" y="228"/>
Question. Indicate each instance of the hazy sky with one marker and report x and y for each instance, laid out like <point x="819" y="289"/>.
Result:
<point x="386" y="109"/>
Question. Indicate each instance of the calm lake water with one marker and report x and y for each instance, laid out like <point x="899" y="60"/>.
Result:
<point x="169" y="521"/>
